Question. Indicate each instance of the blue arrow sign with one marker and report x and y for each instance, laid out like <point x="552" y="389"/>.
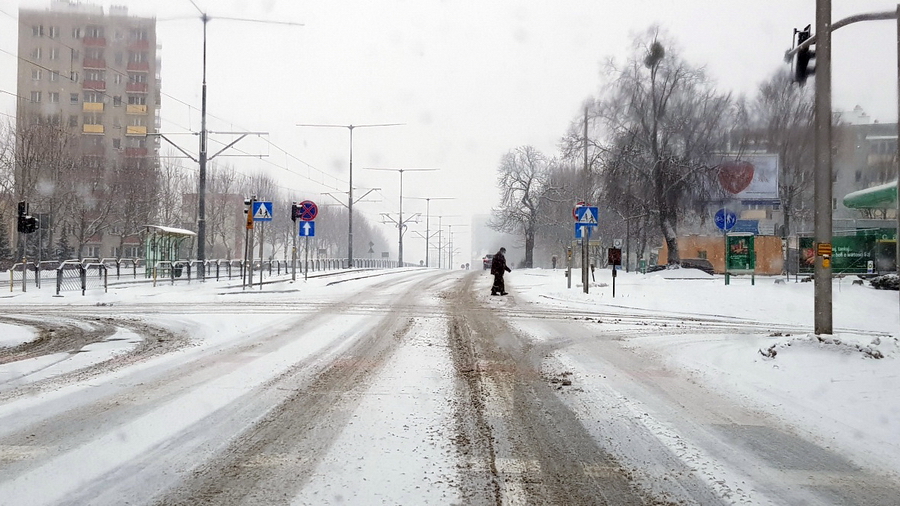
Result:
<point x="308" y="229"/>
<point x="587" y="215"/>
<point x="262" y="211"/>
<point x="580" y="230"/>
<point x="725" y="219"/>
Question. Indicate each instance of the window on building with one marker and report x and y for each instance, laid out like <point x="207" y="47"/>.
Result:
<point x="93" y="96"/>
<point x="73" y="120"/>
<point x="73" y="76"/>
<point x="94" y="32"/>
<point x="77" y="32"/>
<point x="76" y="54"/>
<point x="833" y="204"/>
<point x="92" y="251"/>
<point x="53" y="32"/>
<point x="36" y="54"/>
<point x="36" y="74"/>
<point x="37" y="31"/>
<point x="117" y="101"/>
<point x="54" y="53"/>
<point x="73" y="98"/>
<point x="137" y="78"/>
<point x="93" y="119"/>
<point x="117" y="143"/>
<point x="137" y="100"/>
<point x="137" y="57"/>
<point x="94" y="53"/>
<point x="35" y="96"/>
<point x="139" y="34"/>
<point x="118" y="79"/>
<point x="93" y="75"/>
<point x="53" y="97"/>
<point x="54" y="76"/>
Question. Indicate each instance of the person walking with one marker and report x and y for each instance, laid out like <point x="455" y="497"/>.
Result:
<point x="498" y="269"/>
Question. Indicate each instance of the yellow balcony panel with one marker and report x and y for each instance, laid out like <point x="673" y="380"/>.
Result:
<point x="135" y="109"/>
<point x="135" y="130"/>
<point x="92" y="107"/>
<point x="92" y="129"/>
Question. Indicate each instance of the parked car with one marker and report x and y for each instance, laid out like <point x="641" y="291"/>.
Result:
<point x="689" y="263"/>
<point x="487" y="261"/>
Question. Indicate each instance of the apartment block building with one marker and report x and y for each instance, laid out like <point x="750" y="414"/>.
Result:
<point x="96" y="75"/>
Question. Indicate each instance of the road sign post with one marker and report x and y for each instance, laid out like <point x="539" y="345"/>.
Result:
<point x="585" y="217"/>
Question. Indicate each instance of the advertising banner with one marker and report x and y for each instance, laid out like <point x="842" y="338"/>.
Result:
<point x="749" y="176"/>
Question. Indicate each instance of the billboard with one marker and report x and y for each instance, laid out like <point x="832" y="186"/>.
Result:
<point x="748" y="176"/>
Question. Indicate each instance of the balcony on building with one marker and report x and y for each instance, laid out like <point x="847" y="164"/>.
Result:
<point x="135" y="109"/>
<point x="94" y="41"/>
<point x="92" y="129"/>
<point x="94" y="85"/>
<point x="94" y="63"/>
<point x="136" y="88"/>
<point x="92" y="106"/>
<point x="139" y="66"/>
<point x="133" y="131"/>
<point x="135" y="152"/>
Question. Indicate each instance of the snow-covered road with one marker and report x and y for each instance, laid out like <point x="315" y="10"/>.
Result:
<point x="416" y="387"/>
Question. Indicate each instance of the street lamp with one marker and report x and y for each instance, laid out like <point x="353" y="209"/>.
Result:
<point x="350" y="195"/>
<point x="400" y="222"/>
<point x="202" y="157"/>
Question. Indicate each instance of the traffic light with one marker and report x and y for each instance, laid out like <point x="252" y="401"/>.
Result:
<point x="248" y="210"/>
<point x="23" y="208"/>
<point x="27" y="224"/>
<point x="295" y="211"/>
<point x="802" y="70"/>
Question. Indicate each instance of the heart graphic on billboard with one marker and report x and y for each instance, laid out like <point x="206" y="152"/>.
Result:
<point x="735" y="176"/>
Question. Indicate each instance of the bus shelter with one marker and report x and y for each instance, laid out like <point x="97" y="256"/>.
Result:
<point x="163" y="248"/>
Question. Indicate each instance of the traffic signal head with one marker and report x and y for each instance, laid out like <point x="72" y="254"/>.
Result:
<point x="23" y="208"/>
<point x="802" y="69"/>
<point x="296" y="210"/>
<point x="27" y="224"/>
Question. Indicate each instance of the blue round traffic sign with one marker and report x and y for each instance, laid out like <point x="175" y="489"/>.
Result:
<point x="725" y="219"/>
<point x="308" y="210"/>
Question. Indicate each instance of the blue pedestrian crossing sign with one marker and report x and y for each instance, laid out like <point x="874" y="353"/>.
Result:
<point x="262" y="211"/>
<point x="308" y="229"/>
<point x="586" y="215"/>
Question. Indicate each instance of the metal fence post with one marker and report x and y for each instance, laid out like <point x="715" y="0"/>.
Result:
<point x="82" y="272"/>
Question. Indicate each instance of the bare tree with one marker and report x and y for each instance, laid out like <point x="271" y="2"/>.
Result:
<point x="523" y="180"/>
<point x="781" y="120"/>
<point x="662" y="119"/>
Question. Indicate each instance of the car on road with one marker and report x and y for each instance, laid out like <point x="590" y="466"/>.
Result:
<point x="689" y="263"/>
<point x="487" y="261"/>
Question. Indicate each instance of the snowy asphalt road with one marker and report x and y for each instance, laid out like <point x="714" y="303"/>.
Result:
<point x="409" y="387"/>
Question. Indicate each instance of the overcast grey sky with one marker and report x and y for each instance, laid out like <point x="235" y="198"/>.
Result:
<point x="470" y="79"/>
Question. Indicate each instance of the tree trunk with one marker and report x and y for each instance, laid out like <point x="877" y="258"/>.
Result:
<point x="529" y="247"/>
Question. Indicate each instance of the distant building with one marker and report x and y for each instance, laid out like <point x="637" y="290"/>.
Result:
<point x="96" y="76"/>
<point x="94" y="73"/>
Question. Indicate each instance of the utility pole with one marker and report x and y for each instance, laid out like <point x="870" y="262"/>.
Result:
<point x="427" y="222"/>
<point x="823" y="189"/>
<point x="400" y="222"/>
<point x="823" y="166"/>
<point x="350" y="193"/>
<point x="203" y="156"/>
<point x="585" y="231"/>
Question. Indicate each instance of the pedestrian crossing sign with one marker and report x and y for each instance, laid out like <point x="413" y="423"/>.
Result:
<point x="262" y="211"/>
<point x="586" y="215"/>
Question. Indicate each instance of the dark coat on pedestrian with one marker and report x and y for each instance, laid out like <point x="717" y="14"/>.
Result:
<point x="498" y="268"/>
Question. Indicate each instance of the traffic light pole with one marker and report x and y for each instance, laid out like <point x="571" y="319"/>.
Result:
<point x="823" y="162"/>
<point x="823" y="189"/>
